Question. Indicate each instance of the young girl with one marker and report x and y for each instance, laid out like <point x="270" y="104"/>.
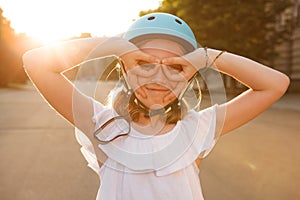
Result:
<point x="149" y="143"/>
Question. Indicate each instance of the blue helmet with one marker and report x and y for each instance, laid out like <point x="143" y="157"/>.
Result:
<point x="160" y="25"/>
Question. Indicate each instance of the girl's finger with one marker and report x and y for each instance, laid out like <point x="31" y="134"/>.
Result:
<point x="147" y="58"/>
<point x="188" y="70"/>
<point x="173" y="61"/>
<point x="140" y="91"/>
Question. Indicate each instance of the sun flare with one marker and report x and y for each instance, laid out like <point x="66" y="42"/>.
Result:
<point x="52" y="20"/>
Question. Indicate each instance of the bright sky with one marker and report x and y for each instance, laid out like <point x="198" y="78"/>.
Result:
<point x="50" y="20"/>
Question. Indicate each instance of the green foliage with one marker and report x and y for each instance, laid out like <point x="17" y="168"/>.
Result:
<point x="244" y="27"/>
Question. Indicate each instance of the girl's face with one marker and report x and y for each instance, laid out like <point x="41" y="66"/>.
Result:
<point x="156" y="81"/>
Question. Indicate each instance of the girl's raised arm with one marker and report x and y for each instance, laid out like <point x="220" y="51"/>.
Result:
<point x="45" y="65"/>
<point x="265" y="84"/>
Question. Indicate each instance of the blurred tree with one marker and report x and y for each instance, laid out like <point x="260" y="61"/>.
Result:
<point x="9" y="60"/>
<point x="12" y="47"/>
<point x="245" y="27"/>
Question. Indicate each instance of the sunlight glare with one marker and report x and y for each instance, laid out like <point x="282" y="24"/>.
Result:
<point x="52" y="20"/>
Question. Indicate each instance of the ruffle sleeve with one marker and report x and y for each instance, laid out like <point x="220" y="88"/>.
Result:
<point x="101" y="113"/>
<point x="87" y="150"/>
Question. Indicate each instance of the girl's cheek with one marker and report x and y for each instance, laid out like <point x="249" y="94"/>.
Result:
<point x="173" y="84"/>
<point x="141" y="81"/>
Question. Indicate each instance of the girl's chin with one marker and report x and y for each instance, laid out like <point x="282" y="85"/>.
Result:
<point x="155" y="103"/>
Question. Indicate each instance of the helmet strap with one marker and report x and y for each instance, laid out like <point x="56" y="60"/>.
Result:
<point x="153" y="112"/>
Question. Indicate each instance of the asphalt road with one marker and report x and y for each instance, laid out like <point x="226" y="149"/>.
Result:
<point x="41" y="160"/>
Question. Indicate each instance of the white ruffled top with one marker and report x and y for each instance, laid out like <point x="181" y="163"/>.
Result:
<point x="151" y="167"/>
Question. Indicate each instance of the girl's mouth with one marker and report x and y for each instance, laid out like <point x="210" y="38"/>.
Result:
<point x="156" y="88"/>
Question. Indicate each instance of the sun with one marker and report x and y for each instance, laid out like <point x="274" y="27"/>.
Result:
<point x="47" y="37"/>
<point x="49" y="21"/>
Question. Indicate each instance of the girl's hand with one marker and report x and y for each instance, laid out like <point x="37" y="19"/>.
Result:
<point x="186" y="66"/>
<point x="135" y="58"/>
<point x="130" y="55"/>
<point x="134" y="64"/>
<point x="190" y="63"/>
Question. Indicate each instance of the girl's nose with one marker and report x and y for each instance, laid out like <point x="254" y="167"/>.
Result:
<point x="160" y="76"/>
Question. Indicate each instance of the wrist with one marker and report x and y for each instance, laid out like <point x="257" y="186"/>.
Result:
<point x="214" y="57"/>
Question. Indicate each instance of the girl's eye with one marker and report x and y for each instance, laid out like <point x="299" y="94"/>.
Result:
<point x="175" y="68"/>
<point x="146" y="66"/>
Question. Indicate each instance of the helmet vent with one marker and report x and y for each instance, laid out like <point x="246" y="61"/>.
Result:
<point x="151" y="18"/>
<point x="178" y="21"/>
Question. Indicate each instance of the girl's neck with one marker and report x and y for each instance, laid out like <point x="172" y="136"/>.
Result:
<point x="155" y="125"/>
